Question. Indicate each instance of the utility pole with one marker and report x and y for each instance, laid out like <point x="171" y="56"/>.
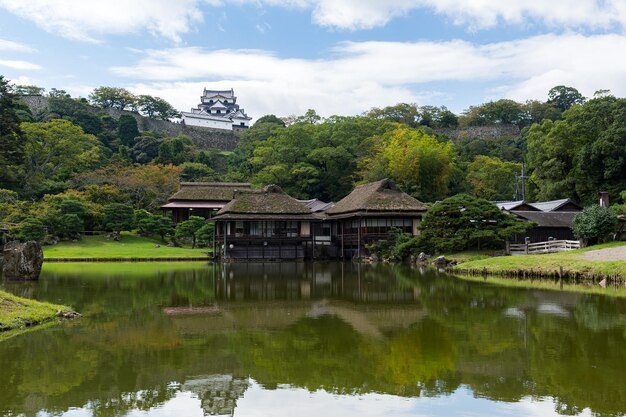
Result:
<point x="520" y="184"/>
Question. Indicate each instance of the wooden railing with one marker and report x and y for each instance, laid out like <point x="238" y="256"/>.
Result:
<point x="550" y="246"/>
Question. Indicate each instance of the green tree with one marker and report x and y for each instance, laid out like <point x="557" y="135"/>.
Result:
<point x="595" y="224"/>
<point x="56" y="93"/>
<point x="176" y="150"/>
<point x="194" y="171"/>
<point x="270" y="118"/>
<point x="407" y="114"/>
<point x="206" y="234"/>
<point x="502" y="111"/>
<point x="71" y="226"/>
<point x="55" y="151"/>
<point x="31" y="228"/>
<point x="118" y="217"/>
<point x="437" y="117"/>
<point x="153" y="224"/>
<point x="189" y="229"/>
<point x="417" y="162"/>
<point x="114" y="97"/>
<point x="11" y="137"/>
<point x="563" y="98"/>
<point x="145" y="148"/>
<point x="127" y="130"/>
<point x="464" y="222"/>
<point x="156" y="108"/>
<point x="492" y="178"/>
<point x="29" y="90"/>
<point x="581" y="154"/>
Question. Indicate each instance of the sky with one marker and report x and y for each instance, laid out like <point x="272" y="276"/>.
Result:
<point x="335" y="56"/>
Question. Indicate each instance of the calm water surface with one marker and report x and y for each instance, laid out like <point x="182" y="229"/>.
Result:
<point x="310" y="340"/>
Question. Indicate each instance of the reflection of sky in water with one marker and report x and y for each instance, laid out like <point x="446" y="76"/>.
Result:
<point x="290" y="402"/>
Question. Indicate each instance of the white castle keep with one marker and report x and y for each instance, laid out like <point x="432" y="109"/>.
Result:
<point x="218" y="109"/>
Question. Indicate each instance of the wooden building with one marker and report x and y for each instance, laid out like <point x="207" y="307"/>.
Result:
<point x="369" y="213"/>
<point x="202" y="199"/>
<point x="265" y="224"/>
<point x="554" y="220"/>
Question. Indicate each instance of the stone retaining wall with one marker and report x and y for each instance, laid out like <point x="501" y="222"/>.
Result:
<point x="203" y="137"/>
<point x="482" y="132"/>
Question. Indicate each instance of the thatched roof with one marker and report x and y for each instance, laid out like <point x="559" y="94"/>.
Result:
<point x="208" y="191"/>
<point x="380" y="197"/>
<point x="269" y="203"/>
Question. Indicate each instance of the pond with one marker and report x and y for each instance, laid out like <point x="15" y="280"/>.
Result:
<point x="302" y="339"/>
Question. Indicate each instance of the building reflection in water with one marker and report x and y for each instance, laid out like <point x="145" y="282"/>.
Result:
<point x="311" y="281"/>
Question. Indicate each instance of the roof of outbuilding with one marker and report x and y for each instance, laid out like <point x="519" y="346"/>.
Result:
<point x="317" y="206"/>
<point x="270" y="201"/>
<point x="555" y="205"/>
<point x="380" y="196"/>
<point x="548" y="218"/>
<point x="208" y="191"/>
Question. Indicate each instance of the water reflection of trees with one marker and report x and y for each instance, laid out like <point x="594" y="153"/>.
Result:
<point x="435" y="333"/>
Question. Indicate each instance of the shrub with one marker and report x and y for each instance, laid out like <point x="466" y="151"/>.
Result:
<point x="30" y="228"/>
<point x="118" y="217"/>
<point x="595" y="224"/>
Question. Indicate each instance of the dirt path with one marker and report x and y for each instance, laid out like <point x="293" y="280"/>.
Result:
<point x="608" y="254"/>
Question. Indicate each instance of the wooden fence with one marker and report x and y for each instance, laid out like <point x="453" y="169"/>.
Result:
<point x="550" y="246"/>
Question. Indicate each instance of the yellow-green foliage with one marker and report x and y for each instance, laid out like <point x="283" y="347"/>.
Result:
<point x="415" y="160"/>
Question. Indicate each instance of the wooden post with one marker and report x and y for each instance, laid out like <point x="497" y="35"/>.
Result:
<point x="225" y="233"/>
<point x="358" y="253"/>
<point x="342" y="233"/>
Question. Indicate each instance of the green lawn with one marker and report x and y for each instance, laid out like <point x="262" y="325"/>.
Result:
<point x="129" y="246"/>
<point x="570" y="261"/>
<point x="17" y="312"/>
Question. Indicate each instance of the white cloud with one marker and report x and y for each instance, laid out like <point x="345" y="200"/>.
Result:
<point x="87" y="20"/>
<point x="366" y="14"/>
<point x="19" y="65"/>
<point x="358" y="76"/>
<point x="11" y="46"/>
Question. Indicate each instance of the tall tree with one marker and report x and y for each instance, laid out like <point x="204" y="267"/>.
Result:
<point x="492" y="178"/>
<point x="419" y="163"/>
<point x="115" y="97"/>
<point x="583" y="153"/>
<point x="55" y="151"/>
<point x="127" y="130"/>
<point x="11" y="137"/>
<point x="564" y="98"/>
<point x="156" y="108"/>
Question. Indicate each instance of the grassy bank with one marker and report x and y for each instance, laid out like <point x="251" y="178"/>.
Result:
<point x="572" y="261"/>
<point x="129" y="246"/>
<point x="19" y="313"/>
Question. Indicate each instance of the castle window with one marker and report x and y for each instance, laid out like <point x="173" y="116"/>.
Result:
<point x="219" y="112"/>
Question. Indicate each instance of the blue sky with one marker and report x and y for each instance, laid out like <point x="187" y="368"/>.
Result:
<point x="336" y="56"/>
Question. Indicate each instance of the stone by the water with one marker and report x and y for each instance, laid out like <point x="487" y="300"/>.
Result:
<point x="22" y="260"/>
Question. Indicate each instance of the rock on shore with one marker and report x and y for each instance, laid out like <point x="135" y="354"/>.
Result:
<point x="22" y="261"/>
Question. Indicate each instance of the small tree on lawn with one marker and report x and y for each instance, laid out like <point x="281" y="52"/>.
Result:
<point x="118" y="217"/>
<point x="206" y="234"/>
<point x="30" y="228"/>
<point x="595" y="224"/>
<point x="189" y="229"/>
<point x="143" y="221"/>
<point x="153" y="224"/>
<point x="71" y="226"/>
